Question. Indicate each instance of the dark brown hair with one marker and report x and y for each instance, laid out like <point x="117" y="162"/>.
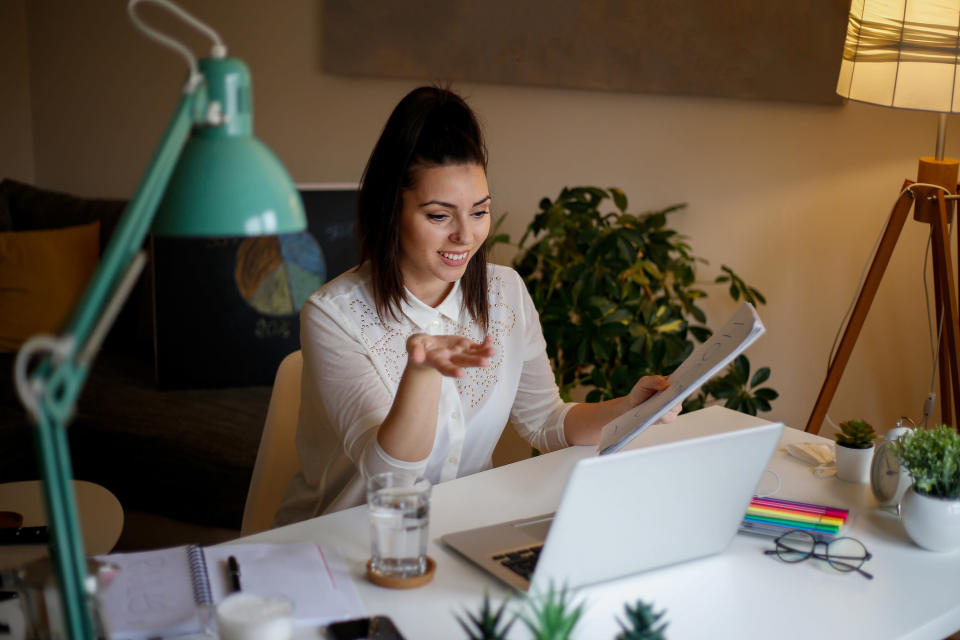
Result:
<point x="430" y="127"/>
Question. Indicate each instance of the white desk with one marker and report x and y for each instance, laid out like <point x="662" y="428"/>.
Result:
<point x="740" y="593"/>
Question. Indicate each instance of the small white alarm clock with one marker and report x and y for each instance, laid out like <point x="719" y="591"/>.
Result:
<point x="888" y="479"/>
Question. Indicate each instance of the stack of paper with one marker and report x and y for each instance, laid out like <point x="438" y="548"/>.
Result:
<point x="773" y="516"/>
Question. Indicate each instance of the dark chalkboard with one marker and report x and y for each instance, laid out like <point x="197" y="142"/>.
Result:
<point x="227" y="309"/>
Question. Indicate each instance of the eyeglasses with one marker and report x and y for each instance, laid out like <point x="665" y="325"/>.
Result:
<point x="843" y="554"/>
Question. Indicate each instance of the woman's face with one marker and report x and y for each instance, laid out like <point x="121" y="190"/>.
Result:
<point x="444" y="221"/>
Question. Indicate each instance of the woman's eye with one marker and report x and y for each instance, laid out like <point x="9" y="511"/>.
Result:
<point x="437" y="217"/>
<point x="479" y="214"/>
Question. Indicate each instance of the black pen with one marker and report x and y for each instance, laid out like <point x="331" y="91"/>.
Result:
<point x="234" y="568"/>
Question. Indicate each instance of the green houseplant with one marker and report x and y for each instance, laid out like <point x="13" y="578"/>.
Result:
<point x="554" y="615"/>
<point x="642" y="623"/>
<point x="618" y="298"/>
<point x="931" y="507"/>
<point x="854" y="450"/>
<point x="932" y="457"/>
<point x="488" y="624"/>
<point x="856" y="434"/>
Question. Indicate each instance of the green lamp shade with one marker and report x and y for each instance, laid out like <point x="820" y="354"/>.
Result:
<point x="226" y="182"/>
<point x="229" y="186"/>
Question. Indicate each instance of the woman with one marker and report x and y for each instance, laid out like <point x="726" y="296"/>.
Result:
<point x="415" y="360"/>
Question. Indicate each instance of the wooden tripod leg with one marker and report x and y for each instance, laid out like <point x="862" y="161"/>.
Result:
<point x="943" y="351"/>
<point x="942" y="263"/>
<point x="880" y="261"/>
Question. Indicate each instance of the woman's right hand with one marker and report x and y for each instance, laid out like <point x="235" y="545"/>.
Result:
<point x="449" y="354"/>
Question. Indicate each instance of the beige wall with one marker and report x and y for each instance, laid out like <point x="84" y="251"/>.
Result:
<point x="791" y="196"/>
<point x="16" y="140"/>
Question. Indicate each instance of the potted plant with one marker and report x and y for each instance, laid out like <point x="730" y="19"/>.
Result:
<point x="488" y="624"/>
<point x="854" y="450"/>
<point x="642" y="623"/>
<point x="554" y="615"/>
<point x="618" y="298"/>
<point x="930" y="509"/>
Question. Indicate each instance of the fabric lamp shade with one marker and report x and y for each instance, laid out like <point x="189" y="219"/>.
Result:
<point x="903" y="53"/>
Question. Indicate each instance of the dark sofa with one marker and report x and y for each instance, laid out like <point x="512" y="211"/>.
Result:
<point x="182" y="454"/>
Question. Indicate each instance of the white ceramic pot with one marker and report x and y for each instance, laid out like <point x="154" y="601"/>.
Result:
<point x="933" y="523"/>
<point x="853" y="465"/>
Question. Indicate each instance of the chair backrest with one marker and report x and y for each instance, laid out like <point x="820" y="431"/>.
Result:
<point x="277" y="456"/>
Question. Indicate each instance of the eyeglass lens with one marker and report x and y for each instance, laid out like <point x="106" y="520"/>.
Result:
<point x="846" y="554"/>
<point x="843" y="554"/>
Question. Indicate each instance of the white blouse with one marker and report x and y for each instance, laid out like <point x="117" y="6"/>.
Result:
<point x="352" y="363"/>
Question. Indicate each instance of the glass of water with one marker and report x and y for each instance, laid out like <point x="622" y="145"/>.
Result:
<point x="399" y="506"/>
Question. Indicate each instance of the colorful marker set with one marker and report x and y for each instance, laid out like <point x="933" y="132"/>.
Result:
<point x="773" y="516"/>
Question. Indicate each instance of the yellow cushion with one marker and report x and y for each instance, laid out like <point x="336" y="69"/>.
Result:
<point x="42" y="274"/>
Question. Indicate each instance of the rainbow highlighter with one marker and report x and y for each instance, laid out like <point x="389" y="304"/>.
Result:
<point x="773" y="516"/>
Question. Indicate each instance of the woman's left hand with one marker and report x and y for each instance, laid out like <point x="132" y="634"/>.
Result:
<point x="646" y="387"/>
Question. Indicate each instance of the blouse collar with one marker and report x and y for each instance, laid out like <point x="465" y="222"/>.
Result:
<point x="423" y="314"/>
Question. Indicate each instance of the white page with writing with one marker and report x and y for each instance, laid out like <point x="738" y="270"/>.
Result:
<point x="150" y="594"/>
<point x="315" y="579"/>
<point x="707" y="360"/>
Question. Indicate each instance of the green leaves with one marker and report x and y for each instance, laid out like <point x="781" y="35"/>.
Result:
<point x="738" y="288"/>
<point x="641" y="623"/>
<point x="488" y="624"/>
<point x="932" y="456"/>
<point x="553" y="615"/>
<point x="857" y="434"/>
<point x="734" y="388"/>
<point x="494" y="238"/>
<point x="618" y="297"/>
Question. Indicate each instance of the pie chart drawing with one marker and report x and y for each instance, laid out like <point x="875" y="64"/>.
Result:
<point x="276" y="274"/>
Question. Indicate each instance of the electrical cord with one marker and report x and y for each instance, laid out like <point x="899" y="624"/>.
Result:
<point x="931" y="396"/>
<point x="219" y="50"/>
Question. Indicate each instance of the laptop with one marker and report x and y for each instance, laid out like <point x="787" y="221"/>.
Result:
<point x="676" y="493"/>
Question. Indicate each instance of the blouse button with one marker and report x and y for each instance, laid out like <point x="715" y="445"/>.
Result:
<point x="455" y="415"/>
<point x="452" y="459"/>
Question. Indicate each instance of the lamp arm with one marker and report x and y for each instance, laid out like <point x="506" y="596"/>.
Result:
<point x="49" y="393"/>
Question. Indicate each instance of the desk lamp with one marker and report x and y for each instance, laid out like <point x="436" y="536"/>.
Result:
<point x="208" y="177"/>
<point x="906" y="54"/>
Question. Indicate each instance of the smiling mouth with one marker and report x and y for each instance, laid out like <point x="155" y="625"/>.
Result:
<point x="454" y="258"/>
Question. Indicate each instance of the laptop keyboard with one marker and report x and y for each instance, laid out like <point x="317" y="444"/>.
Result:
<point x="521" y="561"/>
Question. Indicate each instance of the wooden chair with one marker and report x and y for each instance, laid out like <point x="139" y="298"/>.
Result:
<point x="277" y="456"/>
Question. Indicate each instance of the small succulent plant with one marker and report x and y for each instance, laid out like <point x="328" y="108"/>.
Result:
<point x="856" y="434"/>
<point x="641" y="623"/>
<point x="553" y="615"/>
<point x="488" y="624"/>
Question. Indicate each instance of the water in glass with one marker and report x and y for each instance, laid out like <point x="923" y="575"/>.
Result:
<point x="399" y="521"/>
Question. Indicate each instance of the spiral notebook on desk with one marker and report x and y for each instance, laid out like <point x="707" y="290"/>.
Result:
<point x="172" y="592"/>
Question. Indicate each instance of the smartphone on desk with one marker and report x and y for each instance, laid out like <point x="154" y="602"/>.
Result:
<point x="375" y="628"/>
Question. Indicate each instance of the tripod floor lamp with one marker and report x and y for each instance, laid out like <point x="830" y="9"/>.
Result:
<point x="906" y="54"/>
<point x="208" y="177"/>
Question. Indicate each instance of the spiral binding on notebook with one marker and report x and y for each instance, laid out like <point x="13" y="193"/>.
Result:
<point x="198" y="575"/>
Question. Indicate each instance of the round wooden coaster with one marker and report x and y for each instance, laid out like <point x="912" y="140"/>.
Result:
<point x="403" y="583"/>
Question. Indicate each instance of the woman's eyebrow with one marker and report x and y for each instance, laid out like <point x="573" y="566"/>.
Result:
<point x="452" y="206"/>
